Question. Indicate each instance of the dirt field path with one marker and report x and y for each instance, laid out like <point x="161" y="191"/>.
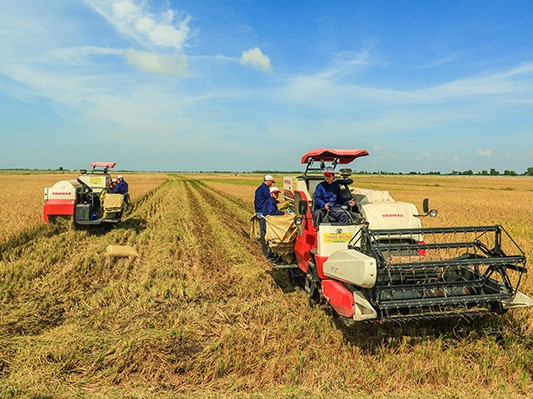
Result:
<point x="200" y="313"/>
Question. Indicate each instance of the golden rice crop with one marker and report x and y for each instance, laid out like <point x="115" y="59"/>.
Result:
<point x="201" y="314"/>
<point x="460" y="200"/>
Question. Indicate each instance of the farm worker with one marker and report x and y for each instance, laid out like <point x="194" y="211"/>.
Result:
<point x="271" y="209"/>
<point x="121" y="187"/>
<point x="271" y="204"/>
<point x="262" y="194"/>
<point x="326" y="197"/>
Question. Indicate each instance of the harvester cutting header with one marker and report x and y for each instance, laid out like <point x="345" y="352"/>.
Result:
<point x="88" y="200"/>
<point x="380" y="264"/>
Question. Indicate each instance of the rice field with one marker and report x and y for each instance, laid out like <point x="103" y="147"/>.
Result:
<point x="460" y="200"/>
<point x="199" y="313"/>
<point x="21" y="202"/>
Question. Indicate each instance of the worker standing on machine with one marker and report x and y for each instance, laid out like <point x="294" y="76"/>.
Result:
<point x="121" y="186"/>
<point x="262" y="194"/>
<point x="271" y="209"/>
<point x="271" y="204"/>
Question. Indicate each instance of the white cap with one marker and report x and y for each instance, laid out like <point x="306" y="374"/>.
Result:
<point x="329" y="169"/>
<point x="119" y="177"/>
<point x="268" y="177"/>
<point x="274" y="189"/>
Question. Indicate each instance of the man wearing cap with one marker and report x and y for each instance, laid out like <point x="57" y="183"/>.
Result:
<point x="271" y="204"/>
<point x="121" y="187"/>
<point x="262" y="194"/>
<point x="271" y="209"/>
<point x="326" y="197"/>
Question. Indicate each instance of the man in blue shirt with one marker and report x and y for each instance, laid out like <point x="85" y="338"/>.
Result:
<point x="121" y="187"/>
<point x="271" y="204"/>
<point x="262" y="194"/>
<point x="271" y="209"/>
<point x="326" y="197"/>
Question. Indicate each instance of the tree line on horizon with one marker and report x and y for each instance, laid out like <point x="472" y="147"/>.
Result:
<point x="469" y="172"/>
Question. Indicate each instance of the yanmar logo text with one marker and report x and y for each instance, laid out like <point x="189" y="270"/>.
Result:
<point x="60" y="193"/>
<point x="392" y="215"/>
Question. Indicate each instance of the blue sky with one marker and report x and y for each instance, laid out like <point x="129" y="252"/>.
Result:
<point x="245" y="85"/>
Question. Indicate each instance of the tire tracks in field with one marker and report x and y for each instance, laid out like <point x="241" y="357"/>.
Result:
<point x="171" y="309"/>
<point x="32" y="265"/>
<point x="230" y="213"/>
<point x="32" y="270"/>
<point x="214" y="265"/>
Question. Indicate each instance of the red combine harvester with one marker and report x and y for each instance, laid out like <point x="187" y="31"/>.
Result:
<point x="383" y="265"/>
<point x="86" y="200"/>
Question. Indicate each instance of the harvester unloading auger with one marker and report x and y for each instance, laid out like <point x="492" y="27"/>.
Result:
<point x="383" y="265"/>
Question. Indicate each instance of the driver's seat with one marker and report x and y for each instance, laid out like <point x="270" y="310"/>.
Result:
<point x="345" y="194"/>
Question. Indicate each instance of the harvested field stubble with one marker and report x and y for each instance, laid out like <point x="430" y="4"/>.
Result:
<point x="200" y="313"/>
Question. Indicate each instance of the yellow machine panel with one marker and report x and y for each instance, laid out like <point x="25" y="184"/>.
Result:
<point x="333" y="238"/>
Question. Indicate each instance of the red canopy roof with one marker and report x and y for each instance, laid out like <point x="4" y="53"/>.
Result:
<point x="328" y="155"/>
<point x="110" y="165"/>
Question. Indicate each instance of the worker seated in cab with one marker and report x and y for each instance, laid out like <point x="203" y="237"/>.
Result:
<point x="328" y="202"/>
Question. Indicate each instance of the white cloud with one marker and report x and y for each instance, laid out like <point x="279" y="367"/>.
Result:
<point x="345" y="64"/>
<point x="133" y="19"/>
<point x="429" y="156"/>
<point x="125" y="9"/>
<point x="79" y="55"/>
<point x="517" y="81"/>
<point x="484" y="153"/>
<point x="172" y="64"/>
<point x="144" y="24"/>
<point x="333" y="87"/>
<point x="256" y="58"/>
<point x="444" y="60"/>
<point x="425" y="155"/>
<point x="167" y="36"/>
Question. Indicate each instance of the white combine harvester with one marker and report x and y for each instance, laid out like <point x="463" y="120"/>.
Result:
<point x="383" y="265"/>
<point x="85" y="200"/>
